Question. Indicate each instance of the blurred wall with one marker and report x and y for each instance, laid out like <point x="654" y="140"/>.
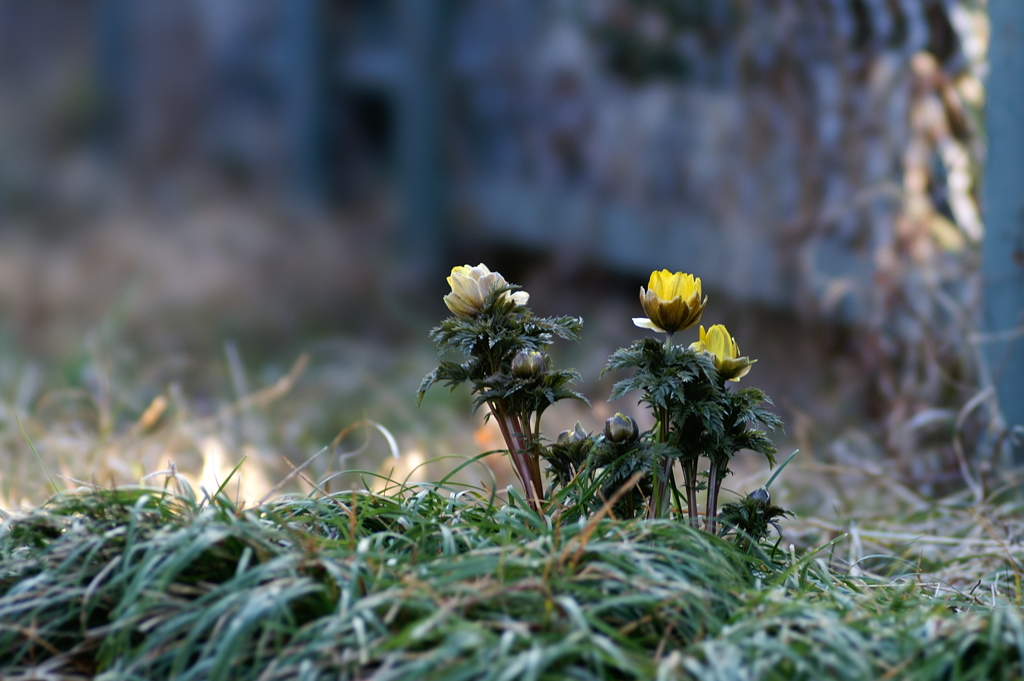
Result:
<point x="762" y="145"/>
<point x="777" y="149"/>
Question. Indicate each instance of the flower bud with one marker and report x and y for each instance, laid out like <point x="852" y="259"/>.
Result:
<point x="528" y="363"/>
<point x="761" y="494"/>
<point x="569" y="437"/>
<point x="578" y="434"/>
<point x="621" y="428"/>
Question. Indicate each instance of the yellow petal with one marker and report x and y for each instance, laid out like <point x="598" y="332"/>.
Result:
<point x="668" y="285"/>
<point x="673" y="285"/>
<point x="654" y="285"/>
<point x="466" y="287"/>
<point x="718" y="342"/>
<point x="458" y="306"/>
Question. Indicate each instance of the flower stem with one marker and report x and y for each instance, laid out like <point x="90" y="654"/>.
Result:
<point x="664" y="480"/>
<point x="715" y="477"/>
<point x="712" y="503"/>
<point x="528" y="449"/>
<point x="662" y="469"/>
<point x="690" y="481"/>
<point x="516" y="448"/>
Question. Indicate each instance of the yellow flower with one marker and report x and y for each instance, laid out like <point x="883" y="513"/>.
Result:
<point x="672" y="302"/>
<point x="726" y="352"/>
<point x="472" y="285"/>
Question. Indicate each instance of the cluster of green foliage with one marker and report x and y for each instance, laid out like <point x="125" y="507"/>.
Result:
<point x="507" y="369"/>
<point x="432" y="582"/>
<point x="490" y="341"/>
<point x="697" y="417"/>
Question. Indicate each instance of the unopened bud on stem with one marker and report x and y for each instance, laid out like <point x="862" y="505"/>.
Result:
<point x="761" y="494"/>
<point x="577" y="434"/>
<point x="528" y="363"/>
<point x="621" y="428"/>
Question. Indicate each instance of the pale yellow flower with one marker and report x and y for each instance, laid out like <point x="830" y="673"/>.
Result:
<point x="672" y="302"/>
<point x="472" y="285"/>
<point x="717" y="342"/>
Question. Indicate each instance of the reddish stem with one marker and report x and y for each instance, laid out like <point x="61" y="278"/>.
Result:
<point x="514" y="441"/>
<point x="528" y="446"/>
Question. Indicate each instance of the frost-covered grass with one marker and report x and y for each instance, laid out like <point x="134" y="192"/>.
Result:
<point x="442" y="581"/>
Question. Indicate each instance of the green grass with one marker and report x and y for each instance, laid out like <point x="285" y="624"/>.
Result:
<point x="425" y="582"/>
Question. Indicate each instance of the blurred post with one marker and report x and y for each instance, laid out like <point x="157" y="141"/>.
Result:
<point x="112" y="41"/>
<point x="422" y="169"/>
<point x="302" y="84"/>
<point x="1003" y="194"/>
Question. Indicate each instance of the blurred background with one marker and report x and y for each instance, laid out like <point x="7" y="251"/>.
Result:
<point x="225" y="225"/>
